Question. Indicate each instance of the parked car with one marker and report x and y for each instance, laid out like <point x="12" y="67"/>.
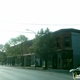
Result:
<point x="75" y="73"/>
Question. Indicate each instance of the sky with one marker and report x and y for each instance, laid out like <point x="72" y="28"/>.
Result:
<point x="18" y="15"/>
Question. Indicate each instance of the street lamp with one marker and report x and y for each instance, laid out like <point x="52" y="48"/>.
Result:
<point x="31" y="31"/>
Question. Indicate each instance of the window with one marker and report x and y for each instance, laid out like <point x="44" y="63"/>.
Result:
<point x="67" y="41"/>
<point x="58" y="42"/>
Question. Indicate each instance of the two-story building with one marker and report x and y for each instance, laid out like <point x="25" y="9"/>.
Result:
<point x="67" y="42"/>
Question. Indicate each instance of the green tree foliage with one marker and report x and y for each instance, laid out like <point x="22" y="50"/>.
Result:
<point x="10" y="47"/>
<point x="16" y="46"/>
<point x="43" y="45"/>
<point x="1" y="47"/>
<point x="7" y="48"/>
<point x="2" y="53"/>
<point x="21" y="39"/>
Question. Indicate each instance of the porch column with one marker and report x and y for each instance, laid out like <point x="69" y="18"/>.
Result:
<point x="24" y="60"/>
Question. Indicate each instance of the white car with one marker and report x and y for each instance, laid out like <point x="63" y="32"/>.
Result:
<point x="75" y="73"/>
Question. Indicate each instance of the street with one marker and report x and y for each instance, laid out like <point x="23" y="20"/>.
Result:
<point x="13" y="73"/>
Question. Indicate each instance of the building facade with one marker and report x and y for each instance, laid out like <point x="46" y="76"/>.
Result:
<point x="67" y="42"/>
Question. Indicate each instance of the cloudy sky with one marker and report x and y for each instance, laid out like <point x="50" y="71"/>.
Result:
<point x="18" y="15"/>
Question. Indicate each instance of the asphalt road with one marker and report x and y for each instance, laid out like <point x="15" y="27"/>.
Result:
<point x="12" y="73"/>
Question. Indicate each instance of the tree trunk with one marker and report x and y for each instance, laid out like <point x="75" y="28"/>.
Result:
<point x="46" y="64"/>
<point x="22" y="61"/>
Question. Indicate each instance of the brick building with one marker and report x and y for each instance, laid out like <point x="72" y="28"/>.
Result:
<point x="67" y="42"/>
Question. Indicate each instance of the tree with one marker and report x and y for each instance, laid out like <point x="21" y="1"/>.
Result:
<point x="16" y="47"/>
<point x="11" y="47"/>
<point x="1" y="47"/>
<point x="7" y="48"/>
<point x="22" y="40"/>
<point x="2" y="54"/>
<point x="44" y="46"/>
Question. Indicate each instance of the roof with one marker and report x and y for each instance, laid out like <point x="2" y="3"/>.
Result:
<point x="66" y="30"/>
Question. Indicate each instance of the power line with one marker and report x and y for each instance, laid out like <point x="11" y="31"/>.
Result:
<point x="51" y="24"/>
<point x="16" y="31"/>
<point x="43" y="24"/>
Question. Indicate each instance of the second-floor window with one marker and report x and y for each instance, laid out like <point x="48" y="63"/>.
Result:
<point x="67" y="41"/>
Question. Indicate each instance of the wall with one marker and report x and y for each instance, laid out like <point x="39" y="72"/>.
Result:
<point x="62" y="36"/>
<point x="76" y="49"/>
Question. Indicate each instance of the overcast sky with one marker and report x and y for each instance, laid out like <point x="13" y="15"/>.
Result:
<point x="19" y="15"/>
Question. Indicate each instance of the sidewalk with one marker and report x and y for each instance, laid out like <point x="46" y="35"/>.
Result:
<point x="50" y="70"/>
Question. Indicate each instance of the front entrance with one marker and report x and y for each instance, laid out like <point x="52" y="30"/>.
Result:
<point x="65" y="59"/>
